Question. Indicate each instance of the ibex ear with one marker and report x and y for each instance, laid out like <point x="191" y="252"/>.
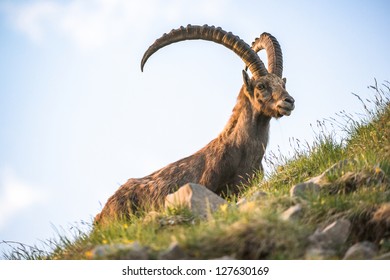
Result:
<point x="285" y="80"/>
<point x="247" y="81"/>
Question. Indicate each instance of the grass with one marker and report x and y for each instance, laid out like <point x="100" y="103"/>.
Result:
<point x="256" y="231"/>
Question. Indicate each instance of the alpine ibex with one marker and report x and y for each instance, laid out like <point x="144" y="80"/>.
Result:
<point x="235" y="155"/>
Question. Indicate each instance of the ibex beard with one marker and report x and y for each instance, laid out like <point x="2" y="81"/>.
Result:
<point x="232" y="158"/>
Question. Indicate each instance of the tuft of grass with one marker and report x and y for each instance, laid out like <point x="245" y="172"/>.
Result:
<point x="256" y="230"/>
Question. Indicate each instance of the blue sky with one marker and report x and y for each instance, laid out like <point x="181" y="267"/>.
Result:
<point x="78" y="118"/>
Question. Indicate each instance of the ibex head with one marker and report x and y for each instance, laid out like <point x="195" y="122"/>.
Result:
<point x="266" y="90"/>
<point x="267" y="93"/>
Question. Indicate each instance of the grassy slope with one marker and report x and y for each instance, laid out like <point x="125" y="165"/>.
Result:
<point x="257" y="232"/>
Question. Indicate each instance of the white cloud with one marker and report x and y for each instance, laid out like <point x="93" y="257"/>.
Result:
<point x="93" y="23"/>
<point x="30" y="19"/>
<point x="15" y="196"/>
<point x="88" y="24"/>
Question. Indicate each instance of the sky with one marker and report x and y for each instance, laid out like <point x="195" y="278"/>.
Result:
<point x="78" y="117"/>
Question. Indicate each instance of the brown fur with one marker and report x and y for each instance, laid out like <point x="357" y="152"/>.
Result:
<point x="222" y="165"/>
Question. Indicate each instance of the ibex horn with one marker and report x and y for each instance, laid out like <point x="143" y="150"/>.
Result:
<point x="210" y="33"/>
<point x="274" y="52"/>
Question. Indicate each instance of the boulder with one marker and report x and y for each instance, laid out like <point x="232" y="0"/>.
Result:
<point x="336" y="168"/>
<point x="197" y="198"/>
<point x="305" y="189"/>
<point x="385" y="256"/>
<point x="132" y="251"/>
<point x="258" y="195"/>
<point x="333" y="235"/>
<point x="361" y="251"/>
<point x="318" y="253"/>
<point x="346" y="181"/>
<point x="292" y="213"/>
<point x="325" y="242"/>
<point x="223" y="258"/>
<point x="173" y="252"/>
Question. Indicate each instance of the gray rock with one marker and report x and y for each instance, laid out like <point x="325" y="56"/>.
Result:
<point x="325" y="242"/>
<point x="258" y="195"/>
<point x="292" y="213"/>
<point x="133" y="251"/>
<point x="351" y="181"/>
<point x="305" y="189"/>
<point x="174" y="252"/>
<point x="231" y="257"/>
<point x="385" y="256"/>
<point x="332" y="236"/>
<point x="197" y="198"/>
<point x="322" y="180"/>
<point x="361" y="251"/>
<point x="319" y="253"/>
<point x="347" y="181"/>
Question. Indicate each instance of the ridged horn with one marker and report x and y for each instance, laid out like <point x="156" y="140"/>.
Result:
<point x="274" y="52"/>
<point x="210" y="33"/>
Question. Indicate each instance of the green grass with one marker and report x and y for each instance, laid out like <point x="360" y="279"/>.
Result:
<point x="257" y="232"/>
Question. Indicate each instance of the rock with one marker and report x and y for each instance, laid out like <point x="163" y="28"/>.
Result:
<point x="384" y="257"/>
<point x="250" y="203"/>
<point x="322" y="179"/>
<point x="318" y="253"/>
<point x="174" y="252"/>
<point x="258" y="195"/>
<point x="351" y="181"/>
<point x="382" y="215"/>
<point x="338" y="231"/>
<point x="332" y="236"/>
<point x="292" y="213"/>
<point x="176" y="219"/>
<point x="132" y="251"/>
<point x="196" y="197"/>
<point x="241" y="201"/>
<point x="324" y="243"/>
<point x="347" y="182"/>
<point x="151" y="217"/>
<point x="231" y="257"/>
<point x="361" y="251"/>
<point x="253" y="197"/>
<point x="344" y="182"/>
<point x="247" y="207"/>
<point x="305" y="189"/>
<point x="380" y="222"/>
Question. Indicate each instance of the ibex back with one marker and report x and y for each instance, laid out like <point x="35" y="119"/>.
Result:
<point x="235" y="155"/>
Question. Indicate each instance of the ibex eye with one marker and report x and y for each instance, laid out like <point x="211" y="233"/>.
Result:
<point x="261" y="86"/>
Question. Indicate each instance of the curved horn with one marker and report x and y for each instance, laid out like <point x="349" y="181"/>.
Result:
<point x="274" y="52"/>
<point x="210" y="33"/>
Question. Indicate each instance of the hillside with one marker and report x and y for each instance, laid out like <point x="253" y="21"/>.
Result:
<point x="330" y="200"/>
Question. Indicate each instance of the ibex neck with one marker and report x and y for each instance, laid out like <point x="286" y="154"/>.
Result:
<point x="246" y="126"/>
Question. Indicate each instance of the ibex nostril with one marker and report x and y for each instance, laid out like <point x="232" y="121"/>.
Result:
<point x="289" y="100"/>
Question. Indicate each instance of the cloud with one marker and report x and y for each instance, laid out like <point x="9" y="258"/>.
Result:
<point x="15" y="196"/>
<point x="87" y="24"/>
<point x="29" y="19"/>
<point x="91" y="24"/>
